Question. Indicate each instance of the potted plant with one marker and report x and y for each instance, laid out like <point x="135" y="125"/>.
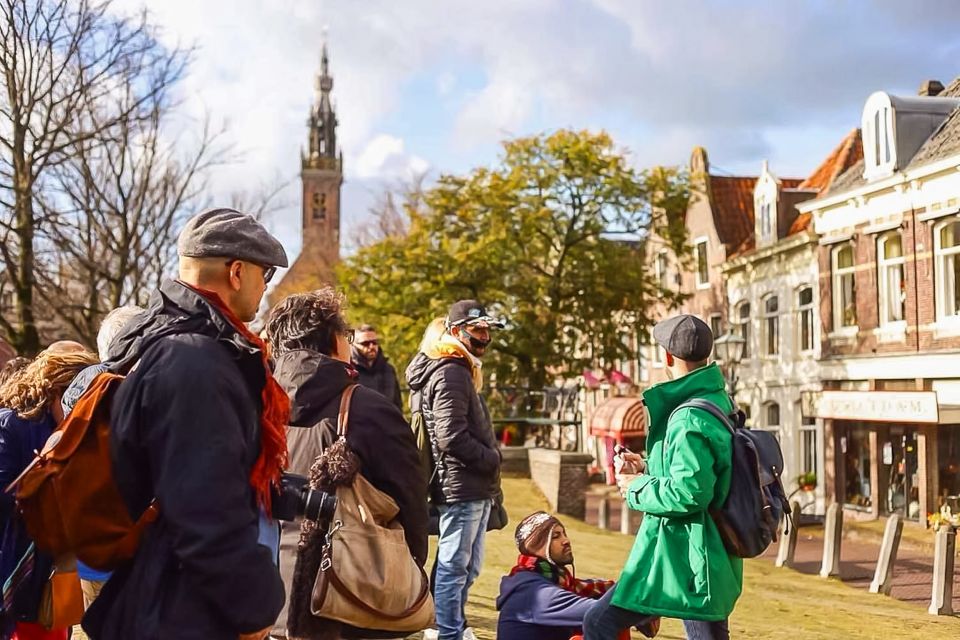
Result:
<point x="807" y="481"/>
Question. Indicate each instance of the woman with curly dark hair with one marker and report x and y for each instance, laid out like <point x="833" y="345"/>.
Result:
<point x="31" y="412"/>
<point x="310" y="339"/>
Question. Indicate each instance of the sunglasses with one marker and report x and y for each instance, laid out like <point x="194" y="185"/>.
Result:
<point x="369" y="343"/>
<point x="268" y="272"/>
<point x="348" y="334"/>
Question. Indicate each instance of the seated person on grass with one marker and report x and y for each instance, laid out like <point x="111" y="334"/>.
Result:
<point x="541" y="599"/>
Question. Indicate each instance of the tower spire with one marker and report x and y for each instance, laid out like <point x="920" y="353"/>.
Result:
<point x="322" y="123"/>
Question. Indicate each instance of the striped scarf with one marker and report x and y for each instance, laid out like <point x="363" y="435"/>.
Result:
<point x="564" y="579"/>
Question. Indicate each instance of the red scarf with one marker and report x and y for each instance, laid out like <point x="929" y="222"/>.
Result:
<point x="564" y="579"/>
<point x="274" y="416"/>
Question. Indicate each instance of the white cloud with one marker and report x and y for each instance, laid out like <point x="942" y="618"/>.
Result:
<point x="384" y="157"/>
<point x="742" y="78"/>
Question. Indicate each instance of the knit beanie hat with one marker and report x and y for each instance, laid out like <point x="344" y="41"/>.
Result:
<point x="533" y="534"/>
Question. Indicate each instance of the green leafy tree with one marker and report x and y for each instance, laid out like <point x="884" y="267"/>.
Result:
<point x="552" y="239"/>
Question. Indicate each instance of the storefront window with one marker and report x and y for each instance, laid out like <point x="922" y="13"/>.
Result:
<point x="948" y="450"/>
<point x="855" y="449"/>
<point x="898" y="459"/>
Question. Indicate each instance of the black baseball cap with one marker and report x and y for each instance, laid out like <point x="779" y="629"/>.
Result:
<point x="470" y="312"/>
<point x="685" y="337"/>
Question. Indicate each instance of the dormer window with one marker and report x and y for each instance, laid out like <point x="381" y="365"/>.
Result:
<point x="879" y="142"/>
<point x="766" y="221"/>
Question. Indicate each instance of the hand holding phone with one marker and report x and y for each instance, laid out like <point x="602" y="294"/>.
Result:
<point x="627" y="462"/>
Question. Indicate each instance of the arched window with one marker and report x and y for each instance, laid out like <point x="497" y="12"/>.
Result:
<point x="771" y="418"/>
<point x="805" y="326"/>
<point x="890" y="278"/>
<point x="946" y="247"/>
<point x="844" y="287"/>
<point x="771" y="325"/>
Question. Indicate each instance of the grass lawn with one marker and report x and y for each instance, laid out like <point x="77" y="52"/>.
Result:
<point x="776" y="603"/>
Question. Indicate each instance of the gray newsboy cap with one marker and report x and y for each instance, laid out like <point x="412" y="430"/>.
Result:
<point x="227" y="233"/>
<point x="685" y="336"/>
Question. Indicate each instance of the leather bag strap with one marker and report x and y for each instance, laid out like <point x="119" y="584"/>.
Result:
<point x="343" y="418"/>
<point x="355" y="599"/>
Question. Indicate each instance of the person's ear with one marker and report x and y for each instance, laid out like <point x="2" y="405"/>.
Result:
<point x="669" y="359"/>
<point x="233" y="274"/>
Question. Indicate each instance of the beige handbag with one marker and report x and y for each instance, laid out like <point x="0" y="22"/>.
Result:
<point x="367" y="577"/>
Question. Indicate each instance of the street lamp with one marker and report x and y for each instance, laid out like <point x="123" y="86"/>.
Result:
<point x="729" y="348"/>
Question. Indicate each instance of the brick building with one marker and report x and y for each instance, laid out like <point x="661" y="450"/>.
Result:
<point x="321" y="176"/>
<point x="772" y="290"/>
<point x="889" y="300"/>
<point x="719" y="223"/>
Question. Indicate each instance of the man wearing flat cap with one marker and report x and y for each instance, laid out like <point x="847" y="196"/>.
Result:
<point x="679" y="567"/>
<point x="198" y="429"/>
<point x="445" y="380"/>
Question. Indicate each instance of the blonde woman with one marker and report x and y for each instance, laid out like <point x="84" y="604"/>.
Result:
<point x="30" y="412"/>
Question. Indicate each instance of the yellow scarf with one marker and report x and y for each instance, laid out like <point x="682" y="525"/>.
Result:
<point x="449" y="347"/>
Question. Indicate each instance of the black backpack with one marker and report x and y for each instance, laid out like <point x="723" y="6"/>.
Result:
<point x="750" y="517"/>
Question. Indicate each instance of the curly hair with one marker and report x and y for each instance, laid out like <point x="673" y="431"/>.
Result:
<point x="307" y="321"/>
<point x="12" y="368"/>
<point x="30" y="391"/>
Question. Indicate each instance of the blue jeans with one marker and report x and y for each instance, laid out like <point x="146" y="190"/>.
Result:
<point x="463" y="526"/>
<point x="605" y="620"/>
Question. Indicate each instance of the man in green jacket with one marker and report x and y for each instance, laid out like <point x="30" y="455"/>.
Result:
<point x="678" y="567"/>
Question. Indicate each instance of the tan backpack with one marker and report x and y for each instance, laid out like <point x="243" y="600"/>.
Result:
<point x="68" y="498"/>
<point x="368" y="578"/>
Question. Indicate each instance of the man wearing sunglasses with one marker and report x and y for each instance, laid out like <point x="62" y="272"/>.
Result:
<point x="445" y="380"/>
<point x="199" y="426"/>
<point x="374" y="369"/>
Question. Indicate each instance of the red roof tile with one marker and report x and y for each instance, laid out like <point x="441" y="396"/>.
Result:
<point x="791" y="183"/>
<point x="844" y="156"/>
<point x="731" y="199"/>
<point x="801" y="223"/>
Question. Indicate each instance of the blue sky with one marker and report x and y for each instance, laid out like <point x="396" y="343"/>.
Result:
<point x="435" y="85"/>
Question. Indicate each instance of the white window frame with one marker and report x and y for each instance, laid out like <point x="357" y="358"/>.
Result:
<point x="808" y="308"/>
<point x="883" y="294"/>
<point x="661" y="268"/>
<point x="837" y="275"/>
<point x="775" y="429"/>
<point x="940" y="272"/>
<point x="766" y="221"/>
<point x="770" y="320"/>
<point x="743" y="325"/>
<point x="702" y="284"/>
<point x="804" y="429"/>
<point x="879" y="142"/>
<point x="656" y="352"/>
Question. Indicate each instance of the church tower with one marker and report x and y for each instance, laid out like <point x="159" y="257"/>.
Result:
<point x="321" y="170"/>
<point x="321" y="175"/>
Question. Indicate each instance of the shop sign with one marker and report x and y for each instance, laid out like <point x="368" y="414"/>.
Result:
<point x="879" y="406"/>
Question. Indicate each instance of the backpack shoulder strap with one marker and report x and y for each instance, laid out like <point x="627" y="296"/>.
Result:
<point x="343" y="418"/>
<point x="709" y="407"/>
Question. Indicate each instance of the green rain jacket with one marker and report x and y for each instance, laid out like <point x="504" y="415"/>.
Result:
<point x="678" y="567"/>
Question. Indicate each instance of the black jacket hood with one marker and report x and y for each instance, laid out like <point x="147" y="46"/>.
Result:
<point x="173" y="309"/>
<point x="311" y="380"/>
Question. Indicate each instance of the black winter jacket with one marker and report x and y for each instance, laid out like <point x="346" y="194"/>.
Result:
<point x="186" y="429"/>
<point x="380" y="376"/>
<point x="464" y="446"/>
<point x="380" y="437"/>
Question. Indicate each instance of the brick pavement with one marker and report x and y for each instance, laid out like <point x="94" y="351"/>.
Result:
<point x="913" y="571"/>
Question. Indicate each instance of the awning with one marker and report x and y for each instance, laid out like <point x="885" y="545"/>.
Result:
<point x="619" y="417"/>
